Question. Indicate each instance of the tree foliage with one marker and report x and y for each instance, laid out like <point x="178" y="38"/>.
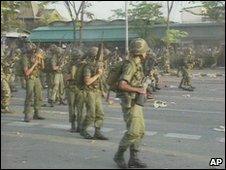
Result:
<point x="9" y="13"/>
<point x="142" y="16"/>
<point x="174" y="36"/>
<point x="214" y="10"/>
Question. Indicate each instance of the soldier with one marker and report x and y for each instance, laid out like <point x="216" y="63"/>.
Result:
<point x="186" y="64"/>
<point x="31" y="66"/>
<point x="74" y="96"/>
<point x="49" y="71"/>
<point x="7" y="65"/>
<point x="130" y="84"/>
<point x="19" y="71"/>
<point x="92" y="85"/>
<point x="151" y="64"/>
<point x="58" y="80"/>
<point x="165" y="61"/>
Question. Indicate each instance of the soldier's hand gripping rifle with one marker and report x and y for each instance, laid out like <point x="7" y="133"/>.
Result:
<point x="141" y="98"/>
<point x="64" y="57"/>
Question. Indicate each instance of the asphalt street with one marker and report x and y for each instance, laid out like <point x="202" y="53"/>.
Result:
<point x="185" y="134"/>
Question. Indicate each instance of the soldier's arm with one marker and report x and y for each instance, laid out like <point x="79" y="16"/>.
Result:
<point x="88" y="80"/>
<point x="123" y="85"/>
<point x="27" y="70"/>
<point x="127" y="74"/>
<point x="54" y="65"/>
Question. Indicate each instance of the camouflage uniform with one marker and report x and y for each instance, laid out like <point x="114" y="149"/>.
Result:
<point x="151" y="70"/>
<point x="33" y="85"/>
<point x="133" y="74"/>
<point x="5" y="93"/>
<point x="58" y="80"/>
<point x="93" y="102"/>
<point x="7" y="64"/>
<point x="186" y="65"/>
<point x="75" y="96"/>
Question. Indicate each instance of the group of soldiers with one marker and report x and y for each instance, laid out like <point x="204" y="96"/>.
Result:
<point x="79" y="77"/>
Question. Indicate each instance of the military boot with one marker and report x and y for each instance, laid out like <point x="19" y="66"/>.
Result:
<point x="38" y="117"/>
<point x="98" y="135"/>
<point x="119" y="158"/>
<point x="73" y="130"/>
<point x="62" y="102"/>
<point x="157" y="88"/>
<point x="27" y="118"/>
<point x="85" y="134"/>
<point x="134" y="162"/>
<point x="51" y="103"/>
<point x="6" y="110"/>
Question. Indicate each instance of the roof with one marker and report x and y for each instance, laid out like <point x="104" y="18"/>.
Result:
<point x="116" y="32"/>
<point x="92" y="33"/>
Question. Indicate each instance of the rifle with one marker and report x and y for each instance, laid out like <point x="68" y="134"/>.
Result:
<point x="140" y="98"/>
<point x="64" y="56"/>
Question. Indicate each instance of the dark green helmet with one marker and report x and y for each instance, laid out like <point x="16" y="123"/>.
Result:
<point x="77" y="54"/>
<point x="106" y="52"/>
<point x="138" y="46"/>
<point x="31" y="47"/>
<point x="92" y="52"/>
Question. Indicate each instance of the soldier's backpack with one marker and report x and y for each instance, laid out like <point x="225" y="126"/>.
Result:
<point x="114" y="75"/>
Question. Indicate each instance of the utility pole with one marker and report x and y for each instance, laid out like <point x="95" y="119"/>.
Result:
<point x="126" y="19"/>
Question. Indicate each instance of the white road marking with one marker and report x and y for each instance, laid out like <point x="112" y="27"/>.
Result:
<point x="104" y="129"/>
<point x="147" y="133"/>
<point x="58" y="126"/>
<point x="150" y="133"/>
<point x="221" y="140"/>
<point x="22" y="124"/>
<point x="184" y="136"/>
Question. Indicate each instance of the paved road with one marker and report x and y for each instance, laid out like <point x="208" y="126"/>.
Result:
<point x="181" y="135"/>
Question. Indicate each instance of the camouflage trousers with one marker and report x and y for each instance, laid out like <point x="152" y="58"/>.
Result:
<point x="135" y="125"/>
<point x="186" y="77"/>
<point x="5" y="93"/>
<point x="49" y="82"/>
<point x="154" y="77"/>
<point x="33" y="89"/>
<point x="76" y="99"/>
<point x="94" y="109"/>
<point x="58" y="87"/>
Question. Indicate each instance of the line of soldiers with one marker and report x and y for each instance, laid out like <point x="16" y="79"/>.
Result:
<point x="80" y="77"/>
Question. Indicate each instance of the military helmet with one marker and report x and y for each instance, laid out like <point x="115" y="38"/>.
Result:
<point x="138" y="46"/>
<point x="53" y="48"/>
<point x="151" y="53"/>
<point x="106" y="52"/>
<point x="31" y="47"/>
<point x="92" y="52"/>
<point x="77" y="53"/>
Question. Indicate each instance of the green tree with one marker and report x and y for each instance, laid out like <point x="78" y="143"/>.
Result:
<point x="214" y="10"/>
<point x="9" y="12"/>
<point x="77" y="15"/>
<point x="142" y="17"/>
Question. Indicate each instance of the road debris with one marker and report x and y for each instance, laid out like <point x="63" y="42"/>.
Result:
<point x="159" y="103"/>
<point x="187" y="95"/>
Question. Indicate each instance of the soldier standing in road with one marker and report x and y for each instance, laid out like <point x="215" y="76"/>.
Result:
<point x="31" y="66"/>
<point x="130" y="83"/>
<point x="92" y="85"/>
<point x="58" y="80"/>
<point x="7" y="65"/>
<point x="73" y="92"/>
<point x="185" y="67"/>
